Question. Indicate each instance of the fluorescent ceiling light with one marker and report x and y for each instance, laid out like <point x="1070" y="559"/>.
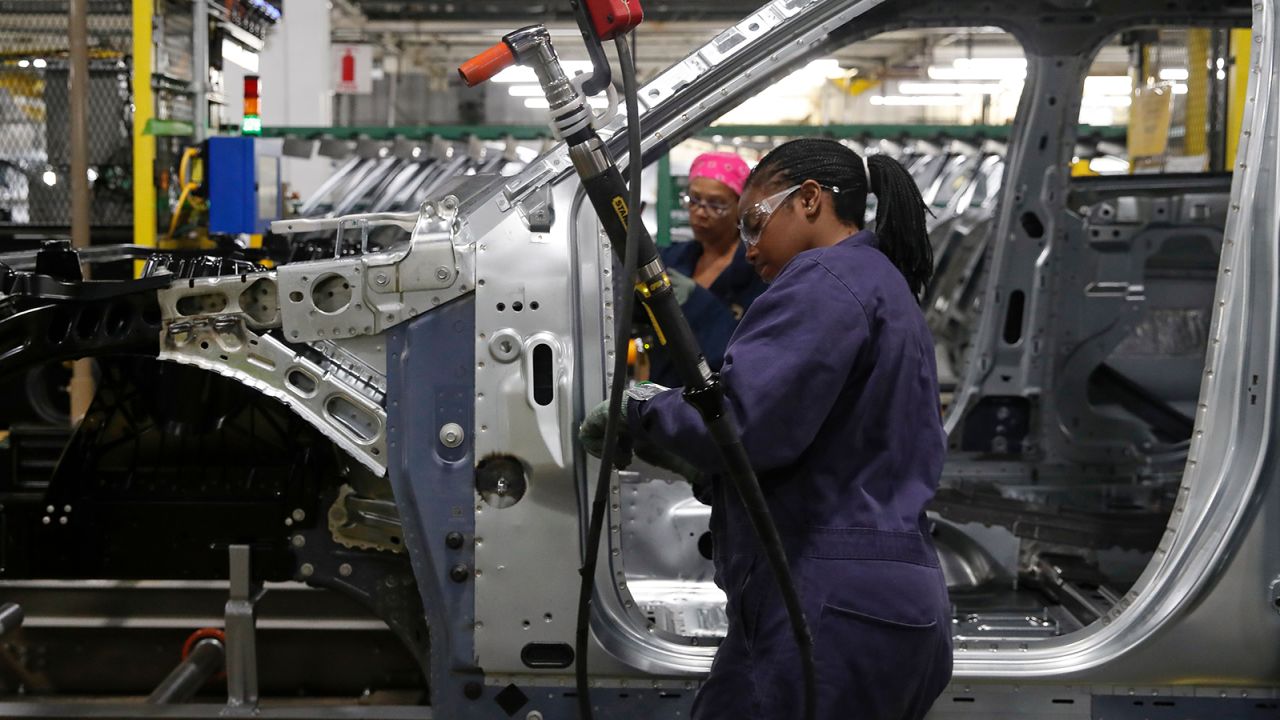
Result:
<point x="1174" y="74"/>
<point x="522" y="74"/>
<point x="39" y="63"/>
<point x="1108" y="85"/>
<point x="1108" y="165"/>
<point x="948" y="88"/>
<point x="1180" y="89"/>
<point x="992" y="72"/>
<point x="542" y="104"/>
<point x="826" y="67"/>
<point x="24" y="63"/>
<point x="1106" y="101"/>
<point x="920" y="100"/>
<point x="989" y="62"/>
<point x="525" y="91"/>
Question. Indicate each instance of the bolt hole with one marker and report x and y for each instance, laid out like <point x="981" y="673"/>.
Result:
<point x="502" y="306"/>
<point x="533" y="305"/>
<point x="204" y="346"/>
<point x="517" y="306"/>
<point x="395" y="540"/>
<point x="295" y="296"/>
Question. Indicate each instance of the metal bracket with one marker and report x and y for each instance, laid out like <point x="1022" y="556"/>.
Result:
<point x="365" y="294"/>
<point x="241" y="629"/>
<point x="538" y="209"/>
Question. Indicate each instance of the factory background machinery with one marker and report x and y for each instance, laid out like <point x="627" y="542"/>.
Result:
<point x="291" y="379"/>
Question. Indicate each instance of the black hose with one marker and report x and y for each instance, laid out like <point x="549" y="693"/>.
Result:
<point x="621" y="339"/>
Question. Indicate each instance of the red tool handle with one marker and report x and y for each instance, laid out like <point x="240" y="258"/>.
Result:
<point x="486" y="64"/>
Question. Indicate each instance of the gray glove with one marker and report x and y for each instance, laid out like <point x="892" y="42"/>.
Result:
<point x="591" y="432"/>
<point x="682" y="285"/>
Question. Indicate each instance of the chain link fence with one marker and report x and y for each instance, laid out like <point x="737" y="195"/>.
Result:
<point x="35" y="160"/>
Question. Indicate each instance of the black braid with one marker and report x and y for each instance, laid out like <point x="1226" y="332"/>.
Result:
<point x="900" y="210"/>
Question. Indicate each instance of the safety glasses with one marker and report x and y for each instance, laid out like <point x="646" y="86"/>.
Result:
<point x="752" y="220"/>
<point x="715" y="208"/>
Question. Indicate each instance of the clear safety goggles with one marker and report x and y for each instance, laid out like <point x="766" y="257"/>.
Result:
<point x="752" y="220"/>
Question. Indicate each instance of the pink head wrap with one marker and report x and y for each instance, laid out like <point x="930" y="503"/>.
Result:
<point x="725" y="167"/>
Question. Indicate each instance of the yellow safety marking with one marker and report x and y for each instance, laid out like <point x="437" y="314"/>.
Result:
<point x="1238" y="90"/>
<point x="144" y="146"/>
<point x="1196" y="139"/>
<point x="653" y="320"/>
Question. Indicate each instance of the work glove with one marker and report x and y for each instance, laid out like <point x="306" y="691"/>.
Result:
<point x="591" y="434"/>
<point x="682" y="285"/>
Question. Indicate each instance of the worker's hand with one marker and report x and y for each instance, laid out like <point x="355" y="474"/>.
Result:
<point x="682" y="285"/>
<point x="592" y="431"/>
<point x="591" y="434"/>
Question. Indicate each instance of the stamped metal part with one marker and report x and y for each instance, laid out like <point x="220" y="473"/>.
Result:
<point x="526" y="504"/>
<point x="205" y="324"/>
<point x="368" y="523"/>
<point x="367" y="293"/>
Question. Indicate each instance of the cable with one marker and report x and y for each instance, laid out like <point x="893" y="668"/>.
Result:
<point x="621" y="339"/>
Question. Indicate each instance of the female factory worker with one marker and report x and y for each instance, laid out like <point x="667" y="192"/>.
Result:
<point x="830" y="378"/>
<point x="721" y="283"/>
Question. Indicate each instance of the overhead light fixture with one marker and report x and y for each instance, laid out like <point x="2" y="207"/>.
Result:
<point x="1106" y="101"/>
<point x="24" y="63"/>
<point x="970" y="62"/>
<point x="39" y="63"/>
<point x="948" y="88"/>
<point x="525" y="91"/>
<point x="986" y="69"/>
<point x="50" y="178"/>
<point x="1174" y="74"/>
<point x="1108" y="85"/>
<point x="1180" y="89"/>
<point x="828" y="67"/>
<point x="920" y="100"/>
<point x="522" y="74"/>
<point x="542" y="104"/>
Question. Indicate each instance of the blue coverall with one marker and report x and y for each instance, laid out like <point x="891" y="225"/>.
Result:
<point x="831" y="380"/>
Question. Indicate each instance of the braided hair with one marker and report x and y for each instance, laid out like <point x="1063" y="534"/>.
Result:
<point x="900" y="210"/>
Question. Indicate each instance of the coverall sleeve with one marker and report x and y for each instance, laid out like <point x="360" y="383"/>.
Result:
<point x="783" y="371"/>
